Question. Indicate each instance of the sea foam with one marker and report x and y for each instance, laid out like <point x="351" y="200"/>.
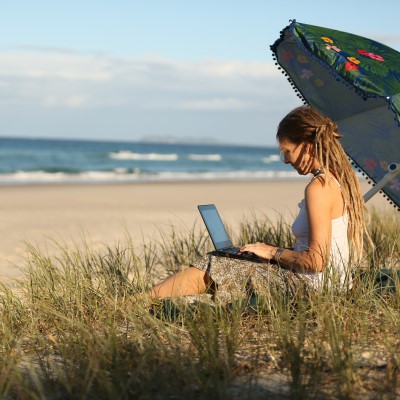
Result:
<point x="125" y="175"/>
<point x="128" y="155"/>
<point x="205" y="157"/>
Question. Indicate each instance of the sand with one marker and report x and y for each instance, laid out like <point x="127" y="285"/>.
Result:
<point x="105" y="214"/>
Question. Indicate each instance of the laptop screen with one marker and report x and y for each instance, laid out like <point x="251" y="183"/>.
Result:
<point x="215" y="227"/>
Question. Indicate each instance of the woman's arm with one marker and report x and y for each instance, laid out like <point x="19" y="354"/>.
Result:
<point x="319" y="201"/>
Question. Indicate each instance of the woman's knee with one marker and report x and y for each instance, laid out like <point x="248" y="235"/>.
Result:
<point x="201" y="275"/>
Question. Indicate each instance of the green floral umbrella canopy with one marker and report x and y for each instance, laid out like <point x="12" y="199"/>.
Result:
<point x="356" y="82"/>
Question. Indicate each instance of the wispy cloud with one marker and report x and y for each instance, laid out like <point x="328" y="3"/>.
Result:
<point x="70" y="94"/>
<point x="66" y="66"/>
<point x="216" y="104"/>
<point x="69" y="79"/>
<point x="388" y="40"/>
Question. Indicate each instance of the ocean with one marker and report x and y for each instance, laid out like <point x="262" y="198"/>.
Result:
<point x="36" y="161"/>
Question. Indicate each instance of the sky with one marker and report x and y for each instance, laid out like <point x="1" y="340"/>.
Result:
<point x="131" y="70"/>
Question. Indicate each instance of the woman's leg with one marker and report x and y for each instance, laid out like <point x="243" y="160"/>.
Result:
<point x="189" y="281"/>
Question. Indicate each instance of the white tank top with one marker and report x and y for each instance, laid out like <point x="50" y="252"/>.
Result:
<point x="337" y="269"/>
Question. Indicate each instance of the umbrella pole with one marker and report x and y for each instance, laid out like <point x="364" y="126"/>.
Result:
<point x="394" y="170"/>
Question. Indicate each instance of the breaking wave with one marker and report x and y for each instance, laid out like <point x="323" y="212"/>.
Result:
<point x="129" y="155"/>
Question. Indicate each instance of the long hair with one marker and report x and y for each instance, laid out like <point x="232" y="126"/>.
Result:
<point x="306" y="125"/>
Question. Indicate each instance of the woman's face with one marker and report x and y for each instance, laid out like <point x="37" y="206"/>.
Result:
<point x="297" y="155"/>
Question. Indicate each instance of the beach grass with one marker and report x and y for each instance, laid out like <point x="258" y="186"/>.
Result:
<point x="72" y="329"/>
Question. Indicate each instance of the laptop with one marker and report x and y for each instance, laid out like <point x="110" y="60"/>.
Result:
<point x="219" y="236"/>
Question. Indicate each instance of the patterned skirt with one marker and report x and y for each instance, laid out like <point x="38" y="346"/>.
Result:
<point x="234" y="278"/>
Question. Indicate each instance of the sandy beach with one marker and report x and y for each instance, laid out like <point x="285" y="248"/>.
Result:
<point x="104" y="214"/>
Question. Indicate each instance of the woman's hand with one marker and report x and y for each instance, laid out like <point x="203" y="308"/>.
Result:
<point x="260" y="249"/>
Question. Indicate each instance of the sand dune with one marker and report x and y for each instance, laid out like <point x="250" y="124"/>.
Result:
<point x="105" y="213"/>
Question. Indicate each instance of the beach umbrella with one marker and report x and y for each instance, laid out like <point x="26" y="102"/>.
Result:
<point x="356" y="82"/>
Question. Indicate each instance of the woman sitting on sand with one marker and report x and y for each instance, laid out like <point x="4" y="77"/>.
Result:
<point x="330" y="224"/>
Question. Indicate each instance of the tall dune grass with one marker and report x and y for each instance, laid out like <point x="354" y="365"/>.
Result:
<point x="71" y="329"/>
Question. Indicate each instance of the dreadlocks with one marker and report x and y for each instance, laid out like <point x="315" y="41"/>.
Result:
<point x="306" y="125"/>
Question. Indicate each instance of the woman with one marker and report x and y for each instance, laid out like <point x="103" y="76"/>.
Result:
<point x="329" y="225"/>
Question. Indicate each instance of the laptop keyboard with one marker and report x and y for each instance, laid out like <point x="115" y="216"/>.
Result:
<point x="232" y="250"/>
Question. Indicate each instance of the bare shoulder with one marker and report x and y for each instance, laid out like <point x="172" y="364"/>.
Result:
<point x="326" y="198"/>
<point x="316" y="186"/>
<point x="317" y="191"/>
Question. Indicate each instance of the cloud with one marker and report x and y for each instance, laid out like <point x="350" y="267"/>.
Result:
<point x="55" y="93"/>
<point x="69" y="79"/>
<point x="216" y="104"/>
<point x="67" y="66"/>
<point x="389" y="40"/>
